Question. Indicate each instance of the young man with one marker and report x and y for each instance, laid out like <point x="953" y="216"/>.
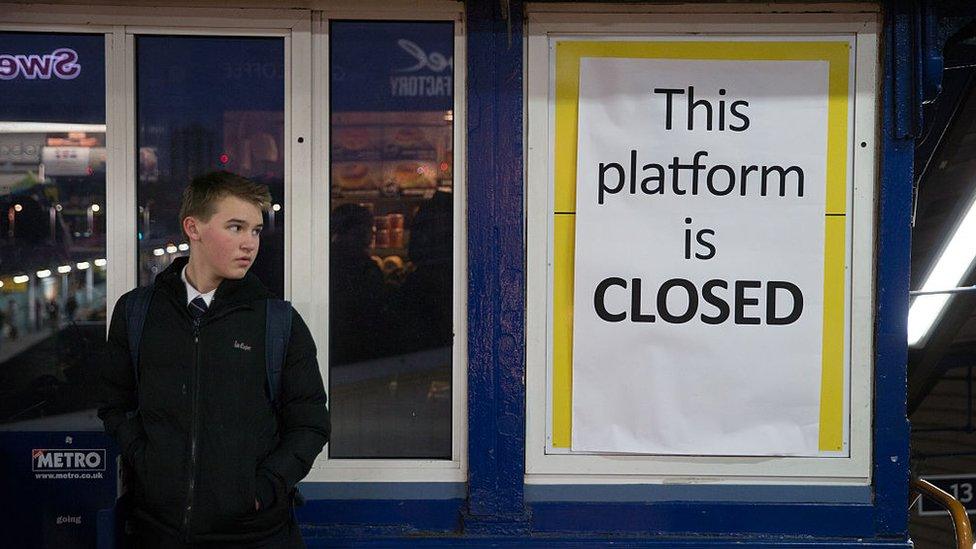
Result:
<point x="214" y="463"/>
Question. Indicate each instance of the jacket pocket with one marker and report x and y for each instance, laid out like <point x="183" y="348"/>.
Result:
<point x="234" y="497"/>
<point x="162" y="478"/>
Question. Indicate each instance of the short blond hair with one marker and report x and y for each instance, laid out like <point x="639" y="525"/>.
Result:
<point x="202" y="194"/>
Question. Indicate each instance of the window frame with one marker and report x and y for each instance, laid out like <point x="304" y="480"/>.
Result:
<point x="393" y="470"/>
<point x="120" y="26"/>
<point x="68" y="26"/>
<point x="543" y="468"/>
<point x="305" y="33"/>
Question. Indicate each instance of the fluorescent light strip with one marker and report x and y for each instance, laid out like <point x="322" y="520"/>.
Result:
<point x="949" y="270"/>
<point x="49" y="127"/>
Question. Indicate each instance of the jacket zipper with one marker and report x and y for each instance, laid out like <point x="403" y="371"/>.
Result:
<point x="195" y="388"/>
<point x="193" y="428"/>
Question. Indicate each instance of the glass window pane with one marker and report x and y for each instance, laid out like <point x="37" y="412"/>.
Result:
<point x="392" y="232"/>
<point x="52" y="228"/>
<point x="205" y="104"/>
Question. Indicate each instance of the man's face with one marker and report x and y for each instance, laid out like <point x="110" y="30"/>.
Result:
<point x="228" y="243"/>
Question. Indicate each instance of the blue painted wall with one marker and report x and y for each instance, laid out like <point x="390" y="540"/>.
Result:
<point x="496" y="509"/>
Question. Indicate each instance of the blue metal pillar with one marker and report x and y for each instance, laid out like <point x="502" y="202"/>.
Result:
<point x="496" y="270"/>
<point x="900" y="119"/>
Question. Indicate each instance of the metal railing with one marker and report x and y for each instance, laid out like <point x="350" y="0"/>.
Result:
<point x="960" y="520"/>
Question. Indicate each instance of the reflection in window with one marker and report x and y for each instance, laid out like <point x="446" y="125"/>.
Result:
<point x="52" y="228"/>
<point x="205" y="104"/>
<point x="391" y="242"/>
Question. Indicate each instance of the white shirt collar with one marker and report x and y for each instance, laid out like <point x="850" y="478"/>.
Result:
<point x="192" y="293"/>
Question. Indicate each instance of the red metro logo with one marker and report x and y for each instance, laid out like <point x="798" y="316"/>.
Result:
<point x="62" y="63"/>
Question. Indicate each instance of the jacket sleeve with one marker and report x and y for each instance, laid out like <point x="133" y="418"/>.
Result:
<point x="118" y="397"/>
<point x="304" y="423"/>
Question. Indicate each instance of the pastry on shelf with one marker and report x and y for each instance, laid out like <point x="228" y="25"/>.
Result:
<point x="408" y="142"/>
<point x="354" y="143"/>
<point x="410" y="176"/>
<point x="353" y="176"/>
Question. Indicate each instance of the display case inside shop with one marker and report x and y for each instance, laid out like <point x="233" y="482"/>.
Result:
<point x="390" y="163"/>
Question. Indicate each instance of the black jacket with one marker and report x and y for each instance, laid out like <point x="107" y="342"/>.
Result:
<point x="205" y="441"/>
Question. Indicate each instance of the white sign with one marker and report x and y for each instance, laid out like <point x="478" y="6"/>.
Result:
<point x="699" y="256"/>
<point x="66" y="161"/>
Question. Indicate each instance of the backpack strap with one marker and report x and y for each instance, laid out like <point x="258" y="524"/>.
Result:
<point x="278" y="332"/>
<point x="136" y="310"/>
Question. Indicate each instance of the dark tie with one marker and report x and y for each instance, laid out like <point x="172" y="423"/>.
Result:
<point x="197" y="307"/>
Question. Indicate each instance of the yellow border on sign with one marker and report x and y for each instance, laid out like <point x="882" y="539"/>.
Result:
<point x="568" y="54"/>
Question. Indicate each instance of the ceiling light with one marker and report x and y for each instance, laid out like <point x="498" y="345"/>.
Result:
<point x="949" y="270"/>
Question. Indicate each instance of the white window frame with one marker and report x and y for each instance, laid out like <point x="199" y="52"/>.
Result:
<point x="121" y="25"/>
<point x="21" y="18"/>
<point x="395" y="470"/>
<point x="306" y="180"/>
<point x="628" y="21"/>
